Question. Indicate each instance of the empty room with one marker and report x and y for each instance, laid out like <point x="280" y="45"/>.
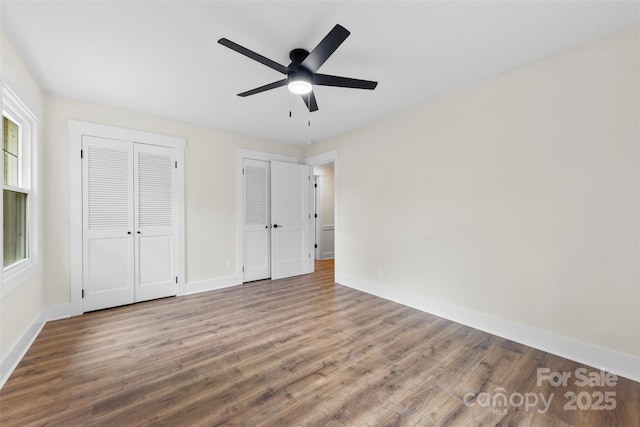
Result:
<point x="306" y="213"/>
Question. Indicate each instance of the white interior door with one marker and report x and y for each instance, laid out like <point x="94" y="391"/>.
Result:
<point x="155" y="219"/>
<point x="291" y="220"/>
<point x="257" y="237"/>
<point x="108" y="241"/>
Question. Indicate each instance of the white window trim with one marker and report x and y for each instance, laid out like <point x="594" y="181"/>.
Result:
<point x="20" y="272"/>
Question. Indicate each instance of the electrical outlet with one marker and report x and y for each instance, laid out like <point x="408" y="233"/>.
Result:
<point x="379" y="273"/>
<point x="229" y="265"/>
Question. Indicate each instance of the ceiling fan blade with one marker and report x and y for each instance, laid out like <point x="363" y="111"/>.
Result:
<point x="255" y="56"/>
<point x="264" y="88"/>
<point x="325" y="48"/>
<point x="327" y="80"/>
<point x="310" y="100"/>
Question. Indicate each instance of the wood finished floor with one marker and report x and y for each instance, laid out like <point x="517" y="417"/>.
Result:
<point x="293" y="352"/>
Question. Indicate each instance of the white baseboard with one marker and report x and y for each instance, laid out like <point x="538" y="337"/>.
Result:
<point x="56" y="312"/>
<point x="328" y="255"/>
<point x="20" y="348"/>
<point x="621" y="364"/>
<point x="213" y="284"/>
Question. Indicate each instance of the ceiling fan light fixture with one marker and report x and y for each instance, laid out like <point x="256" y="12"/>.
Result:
<point x="299" y="85"/>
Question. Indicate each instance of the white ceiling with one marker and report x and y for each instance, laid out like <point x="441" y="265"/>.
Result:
<point x="162" y="57"/>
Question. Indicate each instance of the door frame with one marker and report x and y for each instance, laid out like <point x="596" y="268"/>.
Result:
<point x="77" y="129"/>
<point x="323" y="159"/>
<point x="242" y="154"/>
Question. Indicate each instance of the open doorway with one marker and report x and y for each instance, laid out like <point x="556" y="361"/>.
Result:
<point x="324" y="196"/>
<point x="327" y="225"/>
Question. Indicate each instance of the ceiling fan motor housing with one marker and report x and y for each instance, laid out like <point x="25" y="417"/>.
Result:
<point x="297" y="56"/>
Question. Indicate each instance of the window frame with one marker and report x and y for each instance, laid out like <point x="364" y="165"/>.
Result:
<point x="15" y="110"/>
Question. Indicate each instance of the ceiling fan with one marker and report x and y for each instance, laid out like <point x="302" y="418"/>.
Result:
<point x="302" y="71"/>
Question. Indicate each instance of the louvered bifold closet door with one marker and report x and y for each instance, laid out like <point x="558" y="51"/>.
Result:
<point x="257" y="237"/>
<point x="108" y="242"/>
<point x="155" y="219"/>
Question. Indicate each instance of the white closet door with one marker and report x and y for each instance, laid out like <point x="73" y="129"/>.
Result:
<point x="155" y="219"/>
<point x="108" y="242"/>
<point x="291" y="219"/>
<point x="257" y="238"/>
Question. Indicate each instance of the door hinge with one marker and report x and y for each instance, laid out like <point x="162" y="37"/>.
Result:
<point x="309" y="177"/>
<point x="315" y="246"/>
<point x="176" y="164"/>
<point x="243" y="268"/>
<point x="309" y="254"/>
<point x="315" y="185"/>
<point x="242" y="171"/>
<point x="176" y="279"/>
<point x="81" y="154"/>
<point x="315" y="215"/>
<point x="83" y="293"/>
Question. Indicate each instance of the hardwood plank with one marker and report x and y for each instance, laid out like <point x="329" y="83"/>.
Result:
<point x="298" y="351"/>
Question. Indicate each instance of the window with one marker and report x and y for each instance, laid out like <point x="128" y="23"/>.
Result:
<point x="19" y="206"/>
<point x="14" y="198"/>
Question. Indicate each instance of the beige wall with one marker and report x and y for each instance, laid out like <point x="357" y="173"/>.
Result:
<point x="210" y="191"/>
<point x="20" y="308"/>
<point x="516" y="198"/>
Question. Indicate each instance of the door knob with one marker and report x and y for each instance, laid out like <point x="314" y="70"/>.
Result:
<point x="275" y="225"/>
